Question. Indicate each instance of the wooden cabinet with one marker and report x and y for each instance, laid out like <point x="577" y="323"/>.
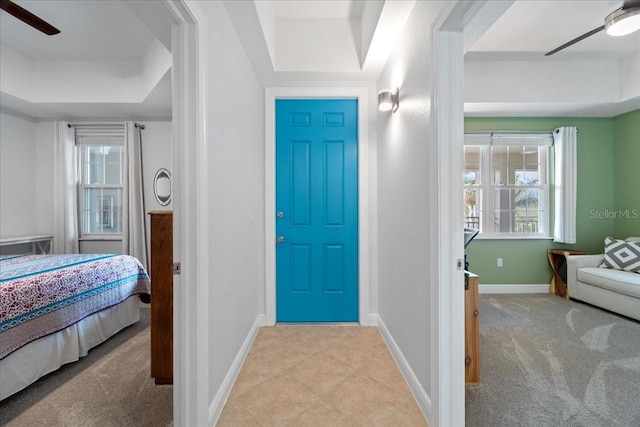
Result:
<point x="161" y="271"/>
<point x="471" y="330"/>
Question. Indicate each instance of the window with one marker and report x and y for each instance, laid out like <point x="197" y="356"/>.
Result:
<point x="505" y="185"/>
<point x="101" y="165"/>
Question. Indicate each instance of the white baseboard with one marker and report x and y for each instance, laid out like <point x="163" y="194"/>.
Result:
<point x="513" y="289"/>
<point x="423" y="400"/>
<point x="373" y="319"/>
<point x="215" y="409"/>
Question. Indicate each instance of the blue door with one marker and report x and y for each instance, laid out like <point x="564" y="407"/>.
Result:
<point x="317" y="210"/>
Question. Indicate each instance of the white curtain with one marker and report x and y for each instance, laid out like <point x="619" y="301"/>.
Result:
<point x="566" y="166"/>
<point x="134" y="234"/>
<point x="65" y="190"/>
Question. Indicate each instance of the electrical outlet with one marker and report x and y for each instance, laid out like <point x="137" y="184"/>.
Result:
<point x="499" y="262"/>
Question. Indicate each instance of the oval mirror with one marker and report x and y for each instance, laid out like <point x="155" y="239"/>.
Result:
<point x="162" y="187"/>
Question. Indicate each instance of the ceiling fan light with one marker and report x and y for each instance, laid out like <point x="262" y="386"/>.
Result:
<point x="622" y="22"/>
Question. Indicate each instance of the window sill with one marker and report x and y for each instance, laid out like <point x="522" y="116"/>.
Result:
<point x="514" y="237"/>
<point x="100" y="239"/>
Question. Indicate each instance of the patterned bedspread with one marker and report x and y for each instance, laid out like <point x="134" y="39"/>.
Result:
<point x="43" y="294"/>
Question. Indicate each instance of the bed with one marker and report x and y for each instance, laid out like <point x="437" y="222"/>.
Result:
<point x="54" y="308"/>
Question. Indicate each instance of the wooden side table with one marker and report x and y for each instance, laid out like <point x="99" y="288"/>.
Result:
<point x="557" y="257"/>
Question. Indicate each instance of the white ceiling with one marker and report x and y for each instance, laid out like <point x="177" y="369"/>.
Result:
<point x="531" y="28"/>
<point x="343" y="9"/>
<point x="507" y="74"/>
<point x="104" y="64"/>
<point x="118" y="39"/>
<point x="318" y="40"/>
<point x="87" y="31"/>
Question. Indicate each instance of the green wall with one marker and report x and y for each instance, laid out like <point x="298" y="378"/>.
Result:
<point x="525" y="261"/>
<point x="626" y="174"/>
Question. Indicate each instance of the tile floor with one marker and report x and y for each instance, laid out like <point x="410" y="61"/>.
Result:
<point x="320" y="376"/>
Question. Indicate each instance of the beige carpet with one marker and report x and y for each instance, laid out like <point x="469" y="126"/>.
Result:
<point x="111" y="386"/>
<point x="547" y="361"/>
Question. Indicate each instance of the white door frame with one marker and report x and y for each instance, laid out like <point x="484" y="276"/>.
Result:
<point x="361" y="94"/>
<point x="447" y="306"/>
<point x="447" y="88"/>
<point x="191" y="244"/>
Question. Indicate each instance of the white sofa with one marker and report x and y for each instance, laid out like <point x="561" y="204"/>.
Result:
<point x="614" y="290"/>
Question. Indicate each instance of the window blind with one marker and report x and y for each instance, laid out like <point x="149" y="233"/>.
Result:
<point x="518" y="139"/>
<point x="99" y="130"/>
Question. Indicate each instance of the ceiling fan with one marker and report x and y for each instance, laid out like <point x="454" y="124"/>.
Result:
<point x="620" y="22"/>
<point x="27" y="17"/>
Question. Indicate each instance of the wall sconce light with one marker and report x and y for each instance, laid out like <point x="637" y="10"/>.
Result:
<point x="389" y="100"/>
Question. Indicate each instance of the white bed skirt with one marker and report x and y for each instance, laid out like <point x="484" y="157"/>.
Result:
<point x="44" y="355"/>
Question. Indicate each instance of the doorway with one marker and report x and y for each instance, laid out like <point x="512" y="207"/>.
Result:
<point x="365" y="220"/>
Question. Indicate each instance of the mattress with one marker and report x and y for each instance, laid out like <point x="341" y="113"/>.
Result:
<point x="54" y="308"/>
<point x="44" y="355"/>
<point x="42" y="294"/>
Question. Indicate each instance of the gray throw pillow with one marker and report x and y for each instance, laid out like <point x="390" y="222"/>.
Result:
<point x="621" y="255"/>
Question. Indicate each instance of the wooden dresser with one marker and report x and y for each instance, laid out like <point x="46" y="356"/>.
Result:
<point x="471" y="330"/>
<point x="161" y="271"/>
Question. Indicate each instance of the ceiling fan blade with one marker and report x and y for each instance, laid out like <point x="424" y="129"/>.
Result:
<point x="28" y="18"/>
<point x="576" y="40"/>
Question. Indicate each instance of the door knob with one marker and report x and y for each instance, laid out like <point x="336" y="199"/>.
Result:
<point x="281" y="239"/>
<point x="280" y="214"/>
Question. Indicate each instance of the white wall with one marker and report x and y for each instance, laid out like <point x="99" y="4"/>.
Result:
<point x="44" y="177"/>
<point x="156" y="154"/>
<point x="557" y="81"/>
<point x="18" y="175"/>
<point x="406" y="174"/>
<point x="101" y="246"/>
<point x="235" y="123"/>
